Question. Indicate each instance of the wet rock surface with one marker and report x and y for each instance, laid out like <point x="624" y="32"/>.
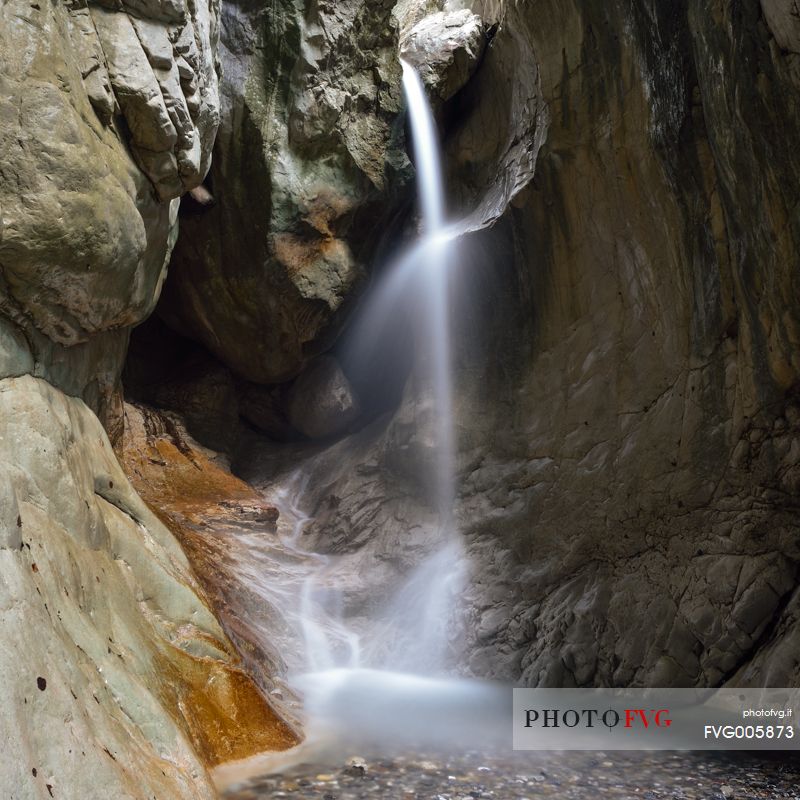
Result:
<point x="321" y="402"/>
<point x="645" y="460"/>
<point x="572" y="776"/>
<point x="115" y="672"/>
<point x="228" y="532"/>
<point x="308" y="162"/>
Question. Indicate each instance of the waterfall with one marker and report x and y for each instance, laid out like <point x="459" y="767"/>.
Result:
<point x="430" y="187"/>
<point x="387" y="683"/>
<point x="430" y="183"/>
<point x="409" y="633"/>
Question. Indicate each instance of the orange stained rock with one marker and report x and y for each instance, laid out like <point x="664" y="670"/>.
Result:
<point x="177" y="479"/>
<point x="221" y="709"/>
<point x="299" y="254"/>
<point x="218" y="705"/>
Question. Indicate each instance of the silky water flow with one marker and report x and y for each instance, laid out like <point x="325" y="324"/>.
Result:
<point x="387" y="684"/>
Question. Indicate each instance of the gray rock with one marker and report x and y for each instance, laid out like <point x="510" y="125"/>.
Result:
<point x="356" y="767"/>
<point x="445" y="49"/>
<point x="162" y="10"/>
<point x="99" y="602"/>
<point x="321" y="402"/>
<point x="84" y="241"/>
<point x="15" y="355"/>
<point x="171" y="108"/>
<point x="134" y="82"/>
<point x="309" y="162"/>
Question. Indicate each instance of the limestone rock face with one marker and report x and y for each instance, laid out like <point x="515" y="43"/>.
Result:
<point x="159" y="63"/>
<point x="445" y="48"/>
<point x="309" y="153"/>
<point x="86" y="230"/>
<point x="216" y="517"/>
<point x="650" y="465"/>
<point x="82" y="244"/>
<point x="115" y="672"/>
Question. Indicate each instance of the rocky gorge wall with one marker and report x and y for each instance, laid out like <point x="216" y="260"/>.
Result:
<point x="109" y="112"/>
<point x="627" y="360"/>
<point x="628" y="413"/>
<point x="633" y="467"/>
<point x="648" y="482"/>
<point x="626" y="332"/>
<point x="117" y="678"/>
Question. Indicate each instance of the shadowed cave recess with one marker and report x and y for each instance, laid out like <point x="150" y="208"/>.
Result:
<point x="298" y="422"/>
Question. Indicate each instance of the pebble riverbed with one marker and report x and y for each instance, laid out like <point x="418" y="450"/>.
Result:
<point x="566" y="776"/>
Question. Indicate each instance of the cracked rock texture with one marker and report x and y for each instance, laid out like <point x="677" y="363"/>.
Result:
<point x="118" y="680"/>
<point x="627" y="355"/>
<point x="106" y="112"/>
<point x="309" y="154"/>
<point x="156" y="64"/>
<point x="115" y="672"/>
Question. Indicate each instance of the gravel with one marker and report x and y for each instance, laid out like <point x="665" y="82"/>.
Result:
<point x="566" y="776"/>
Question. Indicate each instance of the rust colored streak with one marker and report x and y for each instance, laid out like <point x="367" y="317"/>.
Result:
<point x="219" y="705"/>
<point x="221" y="709"/>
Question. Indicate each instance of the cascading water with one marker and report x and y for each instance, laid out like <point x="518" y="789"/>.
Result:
<point x="410" y="632"/>
<point x="386" y="682"/>
<point x="436" y="246"/>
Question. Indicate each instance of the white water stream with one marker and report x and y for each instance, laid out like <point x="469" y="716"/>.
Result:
<point x="410" y="632"/>
<point x="384" y="684"/>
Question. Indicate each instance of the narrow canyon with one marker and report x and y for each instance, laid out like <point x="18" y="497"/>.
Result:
<point x="406" y="348"/>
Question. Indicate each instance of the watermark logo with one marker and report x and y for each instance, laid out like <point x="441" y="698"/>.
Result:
<point x="648" y="719"/>
<point x="591" y="717"/>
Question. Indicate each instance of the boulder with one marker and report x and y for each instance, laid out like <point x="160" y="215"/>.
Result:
<point x="309" y="162"/>
<point x="445" y="49"/>
<point x="321" y="402"/>
<point x="115" y="671"/>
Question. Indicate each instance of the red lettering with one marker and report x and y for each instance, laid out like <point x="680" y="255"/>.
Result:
<point x="631" y="715"/>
